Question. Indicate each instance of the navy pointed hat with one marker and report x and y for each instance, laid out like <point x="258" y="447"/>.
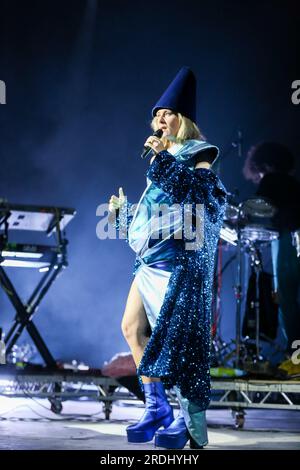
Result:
<point x="180" y="96"/>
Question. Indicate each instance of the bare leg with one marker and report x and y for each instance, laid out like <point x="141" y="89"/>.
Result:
<point x="135" y="326"/>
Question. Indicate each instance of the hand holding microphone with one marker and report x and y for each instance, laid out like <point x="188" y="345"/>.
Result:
<point x="153" y="144"/>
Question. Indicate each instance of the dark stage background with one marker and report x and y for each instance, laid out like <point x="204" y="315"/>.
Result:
<point x="82" y="77"/>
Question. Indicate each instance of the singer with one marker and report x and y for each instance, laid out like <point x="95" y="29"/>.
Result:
<point x="167" y="316"/>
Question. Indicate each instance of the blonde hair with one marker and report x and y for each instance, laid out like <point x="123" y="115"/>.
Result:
<point x="187" y="130"/>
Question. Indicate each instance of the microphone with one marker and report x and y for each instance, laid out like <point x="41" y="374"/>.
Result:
<point x="239" y="143"/>
<point x="147" y="149"/>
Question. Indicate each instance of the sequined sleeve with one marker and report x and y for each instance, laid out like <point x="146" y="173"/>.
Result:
<point x="123" y="219"/>
<point x="200" y="186"/>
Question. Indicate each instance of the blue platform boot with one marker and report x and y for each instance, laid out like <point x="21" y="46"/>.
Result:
<point x="158" y="413"/>
<point x="175" y="436"/>
<point x="190" y="424"/>
<point x="195" y="421"/>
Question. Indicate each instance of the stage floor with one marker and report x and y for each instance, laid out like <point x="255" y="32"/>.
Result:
<point x="29" y="424"/>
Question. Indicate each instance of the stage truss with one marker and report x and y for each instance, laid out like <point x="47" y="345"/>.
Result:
<point x="235" y="394"/>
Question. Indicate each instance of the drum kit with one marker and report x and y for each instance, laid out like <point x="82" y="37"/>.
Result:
<point x="248" y="228"/>
<point x="250" y="221"/>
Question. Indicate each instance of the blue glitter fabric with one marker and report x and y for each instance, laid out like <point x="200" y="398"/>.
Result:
<point x="123" y="219"/>
<point x="179" y="347"/>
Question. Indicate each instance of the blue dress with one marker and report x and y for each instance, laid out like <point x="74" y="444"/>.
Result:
<point x="177" y="299"/>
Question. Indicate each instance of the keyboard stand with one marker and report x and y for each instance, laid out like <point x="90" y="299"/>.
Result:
<point x="51" y="259"/>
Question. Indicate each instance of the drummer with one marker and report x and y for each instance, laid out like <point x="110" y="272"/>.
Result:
<point x="270" y="165"/>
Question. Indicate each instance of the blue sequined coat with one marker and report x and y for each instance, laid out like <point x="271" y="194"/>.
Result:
<point x="179" y="347"/>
